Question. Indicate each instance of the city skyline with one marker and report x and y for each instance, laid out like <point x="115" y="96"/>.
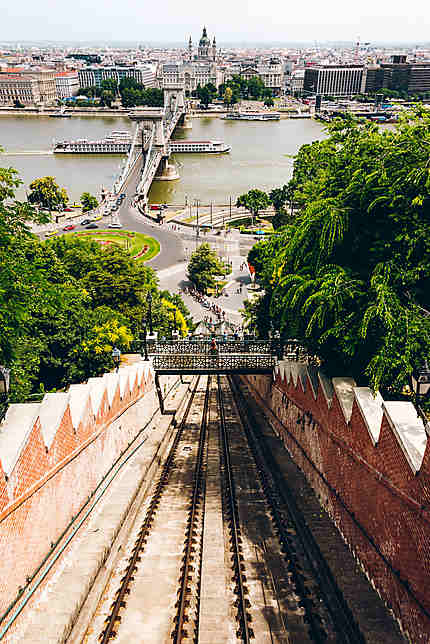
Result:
<point x="242" y="22"/>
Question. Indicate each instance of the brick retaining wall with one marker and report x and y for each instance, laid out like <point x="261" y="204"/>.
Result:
<point x="53" y="455"/>
<point x="368" y="462"/>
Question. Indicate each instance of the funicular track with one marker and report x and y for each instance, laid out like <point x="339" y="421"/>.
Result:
<point x="278" y="585"/>
<point x="123" y="591"/>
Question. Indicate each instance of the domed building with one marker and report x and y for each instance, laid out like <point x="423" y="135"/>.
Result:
<point x="206" y="51"/>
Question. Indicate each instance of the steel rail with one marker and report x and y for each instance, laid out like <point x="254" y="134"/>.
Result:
<point x="279" y="497"/>
<point x="245" y="633"/>
<point x="188" y="570"/>
<point x="123" y="590"/>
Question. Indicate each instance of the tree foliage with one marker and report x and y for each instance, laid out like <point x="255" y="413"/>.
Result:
<point x="204" y="264"/>
<point x="46" y="193"/>
<point x="65" y="302"/>
<point x="254" y="200"/>
<point x="88" y="201"/>
<point x="351" y="274"/>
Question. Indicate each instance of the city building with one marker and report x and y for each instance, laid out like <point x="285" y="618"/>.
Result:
<point x="93" y="76"/>
<point x="196" y="69"/>
<point x="333" y="80"/>
<point x="21" y="88"/>
<point x="67" y="84"/>
<point x="46" y="89"/>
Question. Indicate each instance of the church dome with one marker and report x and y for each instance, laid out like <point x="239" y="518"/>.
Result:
<point x="204" y="40"/>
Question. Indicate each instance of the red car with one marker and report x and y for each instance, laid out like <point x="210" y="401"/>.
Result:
<point x="69" y="227"/>
<point x="68" y="209"/>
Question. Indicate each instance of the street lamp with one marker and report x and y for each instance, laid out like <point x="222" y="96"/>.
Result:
<point x="149" y="301"/>
<point x="420" y="381"/>
<point x="4" y="391"/>
<point x="145" y="345"/>
<point x="116" y="355"/>
<point x="174" y="320"/>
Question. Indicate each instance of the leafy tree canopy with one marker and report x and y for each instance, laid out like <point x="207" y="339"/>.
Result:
<point x="46" y="192"/>
<point x="351" y="276"/>
<point x="204" y="264"/>
<point x="88" y="201"/>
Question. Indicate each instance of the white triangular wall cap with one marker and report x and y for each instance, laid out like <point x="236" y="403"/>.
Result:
<point x="327" y="387"/>
<point x="344" y="389"/>
<point x="51" y="412"/>
<point x="132" y="375"/>
<point x="408" y="429"/>
<point x="312" y="373"/>
<point x="111" y="382"/>
<point x="123" y="374"/>
<point x="370" y="406"/>
<point x="78" y="397"/>
<point x="97" y="389"/>
<point x="14" y="432"/>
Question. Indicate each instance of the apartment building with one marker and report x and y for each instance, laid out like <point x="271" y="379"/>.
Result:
<point x="45" y="79"/>
<point x="93" y="76"/>
<point x="67" y="84"/>
<point x="333" y="80"/>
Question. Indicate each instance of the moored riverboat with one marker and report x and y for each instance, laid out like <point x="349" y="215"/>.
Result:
<point x="252" y="116"/>
<point x="116" y="143"/>
<point x="206" y="147"/>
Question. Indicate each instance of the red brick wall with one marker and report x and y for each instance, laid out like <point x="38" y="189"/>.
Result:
<point x="378" y="503"/>
<point x="48" y="486"/>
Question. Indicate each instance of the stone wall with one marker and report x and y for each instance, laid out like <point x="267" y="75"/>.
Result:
<point x="54" y="454"/>
<point x="368" y="461"/>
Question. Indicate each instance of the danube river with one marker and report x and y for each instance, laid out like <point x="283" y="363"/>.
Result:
<point x="260" y="155"/>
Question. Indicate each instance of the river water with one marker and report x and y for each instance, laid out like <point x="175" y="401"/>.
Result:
<point x="260" y="156"/>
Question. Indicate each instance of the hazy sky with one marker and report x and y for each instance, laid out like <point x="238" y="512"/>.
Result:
<point x="230" y="20"/>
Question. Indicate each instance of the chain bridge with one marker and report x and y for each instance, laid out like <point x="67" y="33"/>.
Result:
<point x="151" y="141"/>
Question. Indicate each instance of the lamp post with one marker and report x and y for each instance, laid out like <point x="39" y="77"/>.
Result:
<point x="4" y="391"/>
<point x="174" y="320"/>
<point x="420" y="381"/>
<point x="149" y="301"/>
<point x="116" y="355"/>
<point x="145" y="345"/>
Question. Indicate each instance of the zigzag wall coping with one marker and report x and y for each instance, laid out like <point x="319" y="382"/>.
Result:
<point x="14" y="430"/>
<point x="111" y="382"/>
<point x="97" y="388"/>
<point x="344" y="389"/>
<point x="371" y="410"/>
<point x="78" y="396"/>
<point x="408" y="429"/>
<point x="51" y="412"/>
<point x="407" y="426"/>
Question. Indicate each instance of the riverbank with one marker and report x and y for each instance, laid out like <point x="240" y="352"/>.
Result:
<point x="73" y="111"/>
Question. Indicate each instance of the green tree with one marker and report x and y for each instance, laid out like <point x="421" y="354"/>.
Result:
<point x="107" y="98"/>
<point x="110" y="85"/>
<point x="46" y="193"/>
<point x="228" y="96"/>
<point x="88" y="201"/>
<point x="254" y="201"/>
<point x="204" y="264"/>
<point x="269" y="102"/>
<point x="351" y="277"/>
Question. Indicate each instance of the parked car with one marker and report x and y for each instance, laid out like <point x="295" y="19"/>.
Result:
<point x="69" y="227"/>
<point x="84" y="222"/>
<point x="92" y="225"/>
<point x="115" y="224"/>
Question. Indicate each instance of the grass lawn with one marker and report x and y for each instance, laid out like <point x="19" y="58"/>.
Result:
<point x="141" y="247"/>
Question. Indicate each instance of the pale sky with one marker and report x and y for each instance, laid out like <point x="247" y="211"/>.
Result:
<point x="229" y="20"/>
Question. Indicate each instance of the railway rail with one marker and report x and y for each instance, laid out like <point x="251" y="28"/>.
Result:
<point x="277" y="584"/>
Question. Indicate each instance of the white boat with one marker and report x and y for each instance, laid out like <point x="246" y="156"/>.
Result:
<point x="252" y="116"/>
<point x="205" y="147"/>
<point x="61" y="113"/>
<point x="115" y="143"/>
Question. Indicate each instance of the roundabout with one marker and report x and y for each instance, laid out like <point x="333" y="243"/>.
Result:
<point x="141" y="247"/>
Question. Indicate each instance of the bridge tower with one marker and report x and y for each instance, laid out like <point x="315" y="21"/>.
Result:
<point x="174" y="98"/>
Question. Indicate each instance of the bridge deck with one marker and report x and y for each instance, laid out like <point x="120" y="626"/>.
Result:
<point x="219" y="363"/>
